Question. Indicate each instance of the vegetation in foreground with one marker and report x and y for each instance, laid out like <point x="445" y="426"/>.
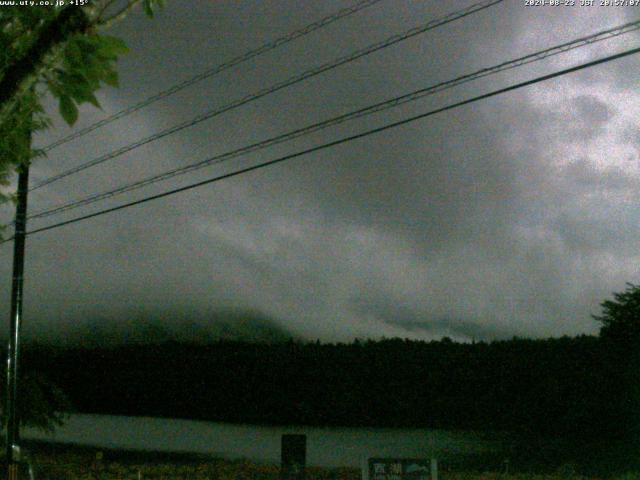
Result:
<point x="91" y="465"/>
<point x="71" y="462"/>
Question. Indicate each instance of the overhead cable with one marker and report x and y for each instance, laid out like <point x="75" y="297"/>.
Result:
<point x="340" y="141"/>
<point x="459" y="14"/>
<point x="375" y="108"/>
<point x="312" y="27"/>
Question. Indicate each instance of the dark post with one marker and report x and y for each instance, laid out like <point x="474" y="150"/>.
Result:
<point x="293" y="457"/>
<point x="13" y="422"/>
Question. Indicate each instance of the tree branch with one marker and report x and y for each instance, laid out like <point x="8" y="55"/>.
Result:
<point x="118" y="15"/>
<point x="70" y="21"/>
<point x="103" y="9"/>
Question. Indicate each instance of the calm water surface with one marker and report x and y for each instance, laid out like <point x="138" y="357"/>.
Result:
<point x="328" y="447"/>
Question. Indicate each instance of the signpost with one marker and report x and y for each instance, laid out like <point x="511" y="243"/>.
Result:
<point x="402" y="469"/>
<point x="293" y="457"/>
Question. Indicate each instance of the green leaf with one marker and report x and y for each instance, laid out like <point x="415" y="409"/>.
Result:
<point x="80" y="88"/>
<point x="94" y="71"/>
<point x="73" y="55"/>
<point x="88" y="45"/>
<point x="111" y="47"/>
<point x="91" y="98"/>
<point x="111" y="78"/>
<point x="68" y="110"/>
<point x="81" y="96"/>
<point x="74" y="83"/>
<point x="54" y="87"/>
<point x="148" y="7"/>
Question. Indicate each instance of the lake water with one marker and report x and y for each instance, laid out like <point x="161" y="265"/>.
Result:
<point x="327" y="447"/>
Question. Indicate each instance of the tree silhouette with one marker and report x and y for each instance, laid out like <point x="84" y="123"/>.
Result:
<point x="620" y="318"/>
<point x="620" y="338"/>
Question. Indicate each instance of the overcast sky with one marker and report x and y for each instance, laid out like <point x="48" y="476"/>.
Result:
<point x="516" y="215"/>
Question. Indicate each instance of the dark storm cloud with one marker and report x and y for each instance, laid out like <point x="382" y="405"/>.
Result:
<point x="590" y="179"/>
<point x="507" y="217"/>
<point x="587" y="118"/>
<point x="414" y="323"/>
<point x="456" y="329"/>
<point x="592" y="110"/>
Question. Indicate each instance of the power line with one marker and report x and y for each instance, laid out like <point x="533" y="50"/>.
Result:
<point x="375" y="108"/>
<point x="342" y="140"/>
<point x="276" y="87"/>
<point x="312" y="27"/>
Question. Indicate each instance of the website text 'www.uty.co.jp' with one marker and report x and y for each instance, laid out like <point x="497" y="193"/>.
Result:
<point x="42" y="3"/>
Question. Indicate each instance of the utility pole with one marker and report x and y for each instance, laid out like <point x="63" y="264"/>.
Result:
<point x="13" y="420"/>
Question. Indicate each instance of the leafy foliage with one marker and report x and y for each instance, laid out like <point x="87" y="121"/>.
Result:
<point x="620" y="335"/>
<point x="42" y="405"/>
<point x="15" y="136"/>
<point x="87" y="62"/>
<point x="71" y="68"/>
<point x="150" y="5"/>
<point x="59" y="52"/>
<point x="620" y="318"/>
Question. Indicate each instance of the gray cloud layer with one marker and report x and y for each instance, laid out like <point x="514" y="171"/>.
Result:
<point x="511" y="216"/>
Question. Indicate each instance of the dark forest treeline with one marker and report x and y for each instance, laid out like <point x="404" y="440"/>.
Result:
<point x="567" y="386"/>
<point x="582" y="393"/>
